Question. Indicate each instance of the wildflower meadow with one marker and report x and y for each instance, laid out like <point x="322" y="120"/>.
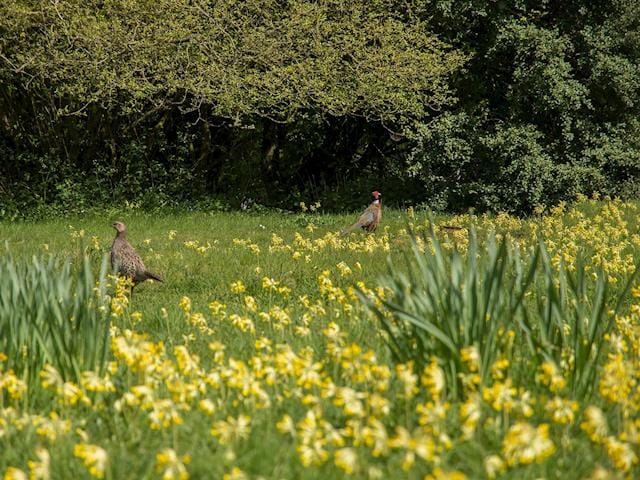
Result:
<point x="457" y="347"/>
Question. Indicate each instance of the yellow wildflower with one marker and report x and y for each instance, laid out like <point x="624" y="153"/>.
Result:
<point x="470" y="413"/>
<point x="494" y="466"/>
<point x="171" y="466"/>
<point x="40" y="469"/>
<point x="433" y="378"/>
<point x="408" y="379"/>
<point x="269" y="283"/>
<point x="439" y="474"/>
<point x="562" y="410"/>
<point x="235" y="474"/>
<point x="238" y="287"/>
<point x="232" y="429"/>
<point x="93" y="383"/>
<point x="471" y="357"/>
<point x="346" y="459"/>
<point x="13" y="473"/>
<point x="206" y="406"/>
<point x="285" y="425"/>
<point x="595" y="424"/>
<point x="185" y="304"/>
<point x="526" y="444"/>
<point x="344" y="269"/>
<point x="621" y="454"/>
<point x="93" y="457"/>
<point x="550" y="376"/>
<point x="501" y="396"/>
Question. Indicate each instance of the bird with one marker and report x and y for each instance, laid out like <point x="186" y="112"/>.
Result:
<point x="370" y="218"/>
<point x="450" y="228"/>
<point x="125" y="261"/>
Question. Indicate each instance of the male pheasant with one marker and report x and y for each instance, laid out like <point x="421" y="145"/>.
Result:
<point x="370" y="218"/>
<point x="125" y="261"/>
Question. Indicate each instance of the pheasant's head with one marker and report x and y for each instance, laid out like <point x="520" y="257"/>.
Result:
<point x="119" y="226"/>
<point x="376" y="194"/>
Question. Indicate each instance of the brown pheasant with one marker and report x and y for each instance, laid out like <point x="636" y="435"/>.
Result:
<point x="125" y="261"/>
<point x="370" y="218"/>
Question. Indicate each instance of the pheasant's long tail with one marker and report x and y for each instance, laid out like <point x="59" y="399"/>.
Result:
<point x="350" y="229"/>
<point x="153" y="276"/>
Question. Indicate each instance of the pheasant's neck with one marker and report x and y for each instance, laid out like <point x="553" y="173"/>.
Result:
<point x="122" y="235"/>
<point x="376" y="202"/>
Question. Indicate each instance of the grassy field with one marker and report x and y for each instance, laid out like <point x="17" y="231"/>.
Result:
<point x="257" y="359"/>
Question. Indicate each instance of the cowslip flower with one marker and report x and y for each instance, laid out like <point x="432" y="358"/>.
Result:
<point x="550" y="376"/>
<point x="13" y="473"/>
<point x="92" y="382"/>
<point x="433" y="378"/>
<point x="232" y="429"/>
<point x="171" y="466"/>
<point x="39" y="469"/>
<point x="344" y="269"/>
<point x="526" y="444"/>
<point x="494" y="466"/>
<point x="52" y="427"/>
<point x="286" y="425"/>
<point x="164" y="414"/>
<point x="595" y="424"/>
<point x="621" y="453"/>
<point x="470" y="413"/>
<point x="12" y="384"/>
<point x="93" y="457"/>
<point x="238" y="287"/>
<point x="471" y="357"/>
<point x="440" y="474"/>
<point x="409" y="380"/>
<point x="235" y="474"/>
<point x="346" y="459"/>
<point x="562" y="410"/>
<point x="269" y="283"/>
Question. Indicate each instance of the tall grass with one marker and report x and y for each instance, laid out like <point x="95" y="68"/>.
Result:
<point x="573" y="313"/>
<point x="51" y="312"/>
<point x="443" y="302"/>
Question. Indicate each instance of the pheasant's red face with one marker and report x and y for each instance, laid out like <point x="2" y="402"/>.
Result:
<point x="376" y="194"/>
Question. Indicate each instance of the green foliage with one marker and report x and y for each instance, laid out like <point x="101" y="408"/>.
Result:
<point x="521" y="167"/>
<point x="257" y="57"/>
<point x="447" y="302"/>
<point x="572" y="314"/>
<point x="172" y="102"/>
<point x="132" y="445"/>
<point x="52" y="314"/>
<point x="545" y="100"/>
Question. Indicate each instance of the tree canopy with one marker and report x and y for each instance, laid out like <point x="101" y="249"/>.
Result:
<point x="495" y="105"/>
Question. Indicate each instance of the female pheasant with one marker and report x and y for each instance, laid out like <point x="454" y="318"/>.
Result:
<point x="370" y="218"/>
<point x="125" y="261"/>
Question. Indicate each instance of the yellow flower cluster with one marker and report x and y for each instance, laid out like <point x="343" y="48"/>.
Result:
<point x="307" y="366"/>
<point x="9" y="382"/>
<point x="93" y="457"/>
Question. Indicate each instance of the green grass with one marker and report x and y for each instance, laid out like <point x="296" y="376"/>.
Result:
<point x="205" y="277"/>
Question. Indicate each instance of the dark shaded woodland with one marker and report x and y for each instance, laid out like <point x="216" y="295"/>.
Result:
<point x="499" y="105"/>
